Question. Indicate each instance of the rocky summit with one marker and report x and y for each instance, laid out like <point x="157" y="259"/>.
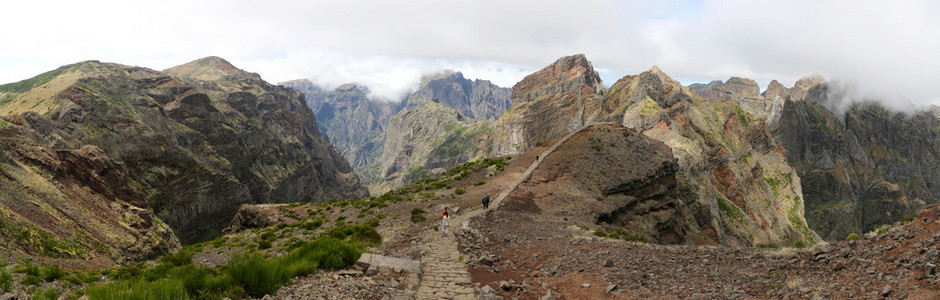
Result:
<point x="550" y="103"/>
<point x="185" y="147"/>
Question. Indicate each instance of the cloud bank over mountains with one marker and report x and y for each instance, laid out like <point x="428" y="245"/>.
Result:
<point x="886" y="49"/>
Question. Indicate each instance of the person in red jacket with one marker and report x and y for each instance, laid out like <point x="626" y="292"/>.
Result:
<point x="445" y="221"/>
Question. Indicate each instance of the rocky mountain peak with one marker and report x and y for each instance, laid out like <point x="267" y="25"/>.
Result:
<point x="352" y="86"/>
<point x="804" y="84"/>
<point x="775" y="89"/>
<point x="741" y="87"/>
<point x="566" y="73"/>
<point x="210" y="68"/>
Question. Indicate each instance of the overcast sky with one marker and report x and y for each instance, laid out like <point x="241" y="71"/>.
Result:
<point x="887" y="49"/>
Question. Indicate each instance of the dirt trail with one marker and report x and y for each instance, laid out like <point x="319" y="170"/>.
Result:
<point x="444" y="274"/>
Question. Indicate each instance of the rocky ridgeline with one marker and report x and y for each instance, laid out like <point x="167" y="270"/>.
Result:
<point x="192" y="143"/>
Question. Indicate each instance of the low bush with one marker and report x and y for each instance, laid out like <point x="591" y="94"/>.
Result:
<point x="459" y="191"/>
<point x="52" y="272"/>
<point x="138" y="290"/>
<point x="44" y="294"/>
<point x="852" y="236"/>
<point x="417" y="215"/>
<point x="6" y="281"/>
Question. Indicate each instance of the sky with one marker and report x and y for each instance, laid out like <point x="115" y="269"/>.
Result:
<point x="881" y="49"/>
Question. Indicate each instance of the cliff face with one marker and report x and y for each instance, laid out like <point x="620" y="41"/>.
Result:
<point x="476" y="99"/>
<point x="354" y="124"/>
<point x="867" y="167"/>
<point x="741" y="191"/>
<point x="549" y="103"/>
<point x="198" y="140"/>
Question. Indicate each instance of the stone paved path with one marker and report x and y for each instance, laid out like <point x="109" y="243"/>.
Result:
<point x="444" y="275"/>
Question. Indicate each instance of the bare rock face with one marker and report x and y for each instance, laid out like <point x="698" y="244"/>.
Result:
<point x="549" y="103"/>
<point x="251" y="216"/>
<point x="198" y="140"/>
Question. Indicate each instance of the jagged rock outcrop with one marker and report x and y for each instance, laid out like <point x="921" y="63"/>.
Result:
<point x="776" y="90"/>
<point x="477" y="99"/>
<point x="429" y="139"/>
<point x="741" y="87"/>
<point x="804" y="84"/>
<point x="741" y="190"/>
<point x="198" y="140"/>
<point x="866" y="167"/>
<point x="549" y="103"/>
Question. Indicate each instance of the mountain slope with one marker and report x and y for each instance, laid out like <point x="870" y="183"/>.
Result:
<point x="198" y="140"/>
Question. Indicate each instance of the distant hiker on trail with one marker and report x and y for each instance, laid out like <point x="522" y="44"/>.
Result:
<point x="445" y="221"/>
<point x="486" y="201"/>
<point x="536" y="157"/>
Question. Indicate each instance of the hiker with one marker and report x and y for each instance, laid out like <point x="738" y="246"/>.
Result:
<point x="536" y="157"/>
<point x="445" y="221"/>
<point x="486" y="201"/>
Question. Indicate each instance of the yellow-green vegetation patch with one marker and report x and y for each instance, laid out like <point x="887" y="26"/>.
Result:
<point x="649" y="107"/>
<point x="37" y="239"/>
<point x="728" y="209"/>
<point x="794" y="217"/>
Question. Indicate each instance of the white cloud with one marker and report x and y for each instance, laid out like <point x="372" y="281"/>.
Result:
<point x="887" y="49"/>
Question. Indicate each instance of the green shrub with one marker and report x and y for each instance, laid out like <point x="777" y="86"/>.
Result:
<point x="138" y="290"/>
<point x="43" y="294"/>
<point x="479" y="183"/>
<point x="908" y="218"/>
<point x="636" y="237"/>
<point x="31" y="280"/>
<point x="459" y="191"/>
<point x="253" y="272"/>
<point x="600" y="232"/>
<point x="799" y="244"/>
<point x="417" y="215"/>
<point x="264" y="244"/>
<point x="852" y="236"/>
<point x="882" y="230"/>
<point x="52" y="272"/>
<point x="6" y="281"/>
